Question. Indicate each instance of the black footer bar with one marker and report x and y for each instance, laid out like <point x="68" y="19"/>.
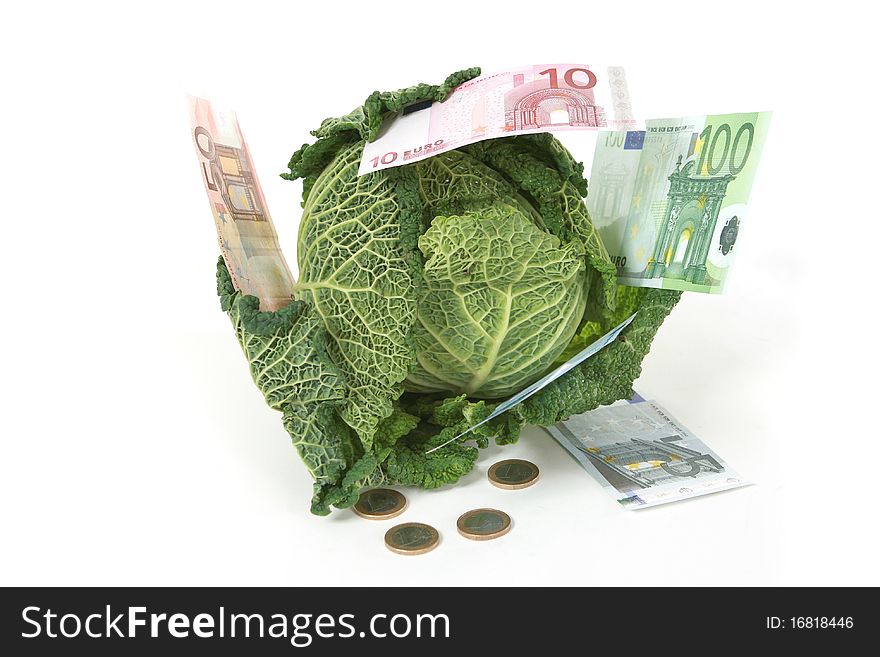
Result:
<point x="429" y="621"/>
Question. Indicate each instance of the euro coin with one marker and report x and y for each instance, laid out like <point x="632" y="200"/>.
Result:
<point x="483" y="524"/>
<point x="411" y="538"/>
<point x="513" y="474"/>
<point x="380" y="504"/>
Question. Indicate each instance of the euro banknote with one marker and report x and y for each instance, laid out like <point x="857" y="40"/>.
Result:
<point x="642" y="455"/>
<point x="669" y="201"/>
<point x="540" y="98"/>
<point x="247" y="237"/>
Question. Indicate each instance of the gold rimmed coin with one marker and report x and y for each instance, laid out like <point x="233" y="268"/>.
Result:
<point x="483" y="524"/>
<point x="412" y="538"/>
<point x="513" y="474"/>
<point x="380" y="504"/>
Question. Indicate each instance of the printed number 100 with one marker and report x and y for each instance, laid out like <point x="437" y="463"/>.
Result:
<point x="729" y="154"/>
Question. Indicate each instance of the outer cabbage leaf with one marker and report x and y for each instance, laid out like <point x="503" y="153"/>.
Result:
<point x="400" y="458"/>
<point x="357" y="274"/>
<point x="288" y="362"/>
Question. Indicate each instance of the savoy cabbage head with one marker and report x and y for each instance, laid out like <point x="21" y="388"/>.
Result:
<point x="426" y="292"/>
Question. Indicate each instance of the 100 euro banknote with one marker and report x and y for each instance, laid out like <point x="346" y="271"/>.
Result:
<point x="540" y="98"/>
<point x="669" y="201"/>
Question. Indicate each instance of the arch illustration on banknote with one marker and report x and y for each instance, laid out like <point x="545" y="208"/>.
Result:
<point x="685" y="234"/>
<point x="533" y="105"/>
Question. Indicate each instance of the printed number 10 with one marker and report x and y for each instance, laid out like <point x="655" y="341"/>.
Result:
<point x="568" y="76"/>
<point x="388" y="158"/>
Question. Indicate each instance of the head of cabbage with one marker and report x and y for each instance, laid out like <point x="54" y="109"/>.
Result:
<point x="428" y="291"/>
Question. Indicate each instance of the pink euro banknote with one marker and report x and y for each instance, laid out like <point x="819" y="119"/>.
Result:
<point x="540" y="98"/>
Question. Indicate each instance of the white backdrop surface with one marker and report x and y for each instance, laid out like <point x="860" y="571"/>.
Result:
<point x="135" y="448"/>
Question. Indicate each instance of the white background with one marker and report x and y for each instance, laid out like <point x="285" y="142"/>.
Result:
<point x="136" y="450"/>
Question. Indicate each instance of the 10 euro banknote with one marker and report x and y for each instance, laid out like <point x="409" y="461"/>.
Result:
<point x="530" y="99"/>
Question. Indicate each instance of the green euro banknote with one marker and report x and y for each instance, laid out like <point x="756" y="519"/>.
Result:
<point x="669" y="201"/>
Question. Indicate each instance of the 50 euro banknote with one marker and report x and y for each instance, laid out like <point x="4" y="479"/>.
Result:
<point x="245" y="231"/>
<point x="540" y="98"/>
